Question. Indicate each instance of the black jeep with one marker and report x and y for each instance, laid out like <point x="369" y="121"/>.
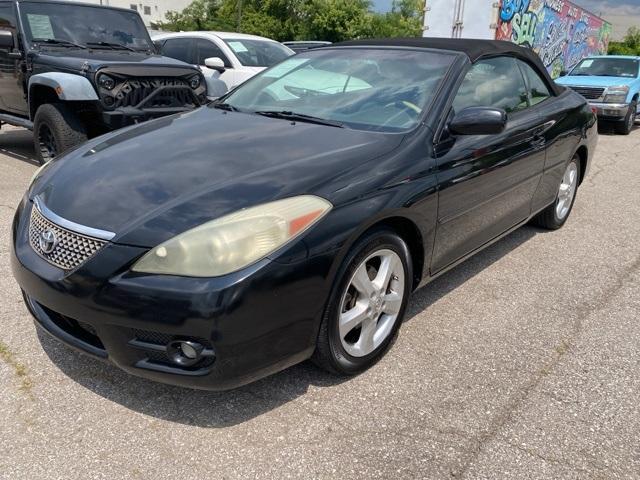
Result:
<point x="72" y="71"/>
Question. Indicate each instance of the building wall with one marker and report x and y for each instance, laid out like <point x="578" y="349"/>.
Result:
<point x="151" y="11"/>
<point x="461" y="19"/>
<point x="559" y="31"/>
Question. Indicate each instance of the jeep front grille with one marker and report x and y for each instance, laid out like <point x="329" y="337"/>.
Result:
<point x="175" y="93"/>
<point x="69" y="249"/>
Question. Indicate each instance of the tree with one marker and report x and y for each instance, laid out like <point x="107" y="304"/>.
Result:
<point x="630" y="45"/>
<point x="332" y="20"/>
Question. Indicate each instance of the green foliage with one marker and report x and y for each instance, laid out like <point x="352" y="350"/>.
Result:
<point x="331" y="20"/>
<point x="630" y="45"/>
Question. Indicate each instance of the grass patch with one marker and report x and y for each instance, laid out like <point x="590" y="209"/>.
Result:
<point x="7" y="356"/>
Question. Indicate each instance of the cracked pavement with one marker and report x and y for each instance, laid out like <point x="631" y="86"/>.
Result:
<point x="521" y="363"/>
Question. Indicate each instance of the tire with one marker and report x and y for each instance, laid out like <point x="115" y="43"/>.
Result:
<point x="56" y="129"/>
<point x="351" y="354"/>
<point x="625" y="127"/>
<point x="556" y="215"/>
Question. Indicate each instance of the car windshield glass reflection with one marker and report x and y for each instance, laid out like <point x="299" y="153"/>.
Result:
<point x="258" y="53"/>
<point x="382" y="90"/>
<point x="56" y="24"/>
<point x="607" y="67"/>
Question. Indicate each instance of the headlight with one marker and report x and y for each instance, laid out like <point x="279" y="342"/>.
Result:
<point x="617" y="94"/>
<point x="235" y="241"/>
<point x="195" y="82"/>
<point x="106" y="82"/>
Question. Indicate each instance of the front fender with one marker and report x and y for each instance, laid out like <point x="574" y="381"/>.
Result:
<point x="68" y="86"/>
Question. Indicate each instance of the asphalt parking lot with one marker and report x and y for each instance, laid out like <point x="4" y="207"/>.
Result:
<point x="521" y="363"/>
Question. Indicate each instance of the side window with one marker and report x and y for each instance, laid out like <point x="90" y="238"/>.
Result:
<point x="495" y="82"/>
<point x="537" y="87"/>
<point x="7" y="19"/>
<point x="208" y="49"/>
<point x="179" y="48"/>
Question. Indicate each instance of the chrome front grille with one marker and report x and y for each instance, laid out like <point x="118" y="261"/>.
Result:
<point x="590" y="93"/>
<point x="62" y="248"/>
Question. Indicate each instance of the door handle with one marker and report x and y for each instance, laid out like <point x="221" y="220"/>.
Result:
<point x="538" y="140"/>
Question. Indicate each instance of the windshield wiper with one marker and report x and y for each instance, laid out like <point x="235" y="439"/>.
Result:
<point x="55" y="41"/>
<point x="113" y="46"/>
<point x="225" y="106"/>
<point x="299" y="117"/>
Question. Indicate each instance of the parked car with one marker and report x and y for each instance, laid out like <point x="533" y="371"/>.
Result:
<point x="303" y="46"/>
<point x="69" y="80"/>
<point x="611" y="84"/>
<point x="231" y="57"/>
<point x="280" y="224"/>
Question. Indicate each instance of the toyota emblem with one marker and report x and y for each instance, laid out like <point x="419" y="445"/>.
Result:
<point x="48" y="241"/>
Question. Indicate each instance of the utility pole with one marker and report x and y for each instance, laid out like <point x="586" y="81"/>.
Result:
<point x="239" y="13"/>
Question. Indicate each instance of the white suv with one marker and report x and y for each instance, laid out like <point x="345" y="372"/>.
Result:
<point x="230" y="57"/>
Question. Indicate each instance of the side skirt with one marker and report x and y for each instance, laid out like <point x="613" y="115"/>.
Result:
<point x="446" y="269"/>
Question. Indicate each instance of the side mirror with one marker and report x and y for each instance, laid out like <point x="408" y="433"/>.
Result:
<point x="479" y="121"/>
<point x="215" y="63"/>
<point x="6" y="40"/>
<point x="564" y="73"/>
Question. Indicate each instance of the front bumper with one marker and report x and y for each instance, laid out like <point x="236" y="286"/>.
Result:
<point x="256" y="322"/>
<point x="611" y="111"/>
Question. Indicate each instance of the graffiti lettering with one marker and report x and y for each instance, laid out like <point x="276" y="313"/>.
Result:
<point x="556" y="5"/>
<point x="511" y="7"/>
<point x="559" y="31"/>
<point x="524" y="28"/>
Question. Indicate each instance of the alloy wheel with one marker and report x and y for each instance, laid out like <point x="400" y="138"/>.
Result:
<point x="567" y="191"/>
<point x="371" y="304"/>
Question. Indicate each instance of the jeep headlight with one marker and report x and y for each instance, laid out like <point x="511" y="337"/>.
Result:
<point x="106" y="82"/>
<point x="195" y="82"/>
<point x="617" y="94"/>
<point x="234" y="241"/>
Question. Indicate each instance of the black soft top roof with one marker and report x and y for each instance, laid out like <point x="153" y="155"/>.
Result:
<point x="474" y="49"/>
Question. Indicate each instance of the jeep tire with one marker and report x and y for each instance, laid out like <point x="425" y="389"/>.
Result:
<point x="56" y="129"/>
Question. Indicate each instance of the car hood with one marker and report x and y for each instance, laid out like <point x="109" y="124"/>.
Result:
<point x="93" y="60"/>
<point x="153" y="181"/>
<point x="586" y="81"/>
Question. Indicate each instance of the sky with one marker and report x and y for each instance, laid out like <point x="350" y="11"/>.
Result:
<point x="621" y="13"/>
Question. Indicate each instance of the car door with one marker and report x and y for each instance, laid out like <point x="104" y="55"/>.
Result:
<point x="487" y="182"/>
<point x="209" y="49"/>
<point x="560" y="147"/>
<point x="12" y="74"/>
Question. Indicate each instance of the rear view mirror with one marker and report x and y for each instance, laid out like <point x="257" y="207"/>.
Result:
<point x="6" y="40"/>
<point x="479" y="121"/>
<point x="215" y="63"/>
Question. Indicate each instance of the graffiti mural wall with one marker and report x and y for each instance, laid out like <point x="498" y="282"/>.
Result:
<point x="559" y="31"/>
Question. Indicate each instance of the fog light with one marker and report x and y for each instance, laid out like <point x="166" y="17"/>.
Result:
<point x="185" y="353"/>
<point x="188" y="351"/>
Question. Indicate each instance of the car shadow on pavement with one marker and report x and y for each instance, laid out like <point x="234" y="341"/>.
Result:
<point x="224" y="409"/>
<point x="17" y="143"/>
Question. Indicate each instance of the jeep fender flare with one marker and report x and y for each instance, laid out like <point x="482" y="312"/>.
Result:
<point x="67" y="86"/>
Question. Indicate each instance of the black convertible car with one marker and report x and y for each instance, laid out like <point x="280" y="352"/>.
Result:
<point x="294" y="218"/>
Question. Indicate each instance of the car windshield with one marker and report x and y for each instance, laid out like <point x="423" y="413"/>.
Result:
<point x="369" y="89"/>
<point x="608" y="67"/>
<point x="258" y="53"/>
<point x="67" y="24"/>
